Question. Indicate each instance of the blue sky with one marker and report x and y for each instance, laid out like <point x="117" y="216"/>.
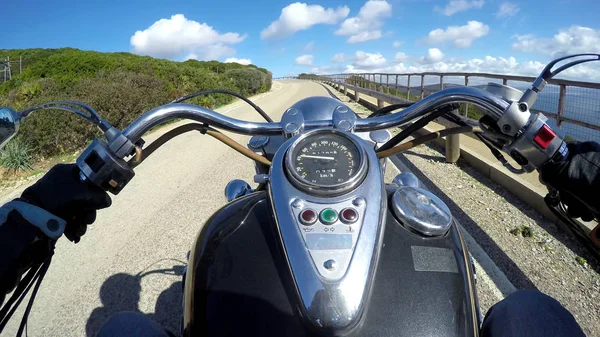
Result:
<point x="289" y="38"/>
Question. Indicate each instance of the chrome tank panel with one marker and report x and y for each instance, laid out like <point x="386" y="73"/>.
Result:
<point x="238" y="283"/>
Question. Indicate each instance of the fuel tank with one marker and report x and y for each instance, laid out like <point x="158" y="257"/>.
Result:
<point x="238" y="282"/>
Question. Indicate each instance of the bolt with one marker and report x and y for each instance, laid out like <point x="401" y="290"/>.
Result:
<point x="291" y="127"/>
<point x="523" y="107"/>
<point x="330" y="264"/>
<point x="358" y="201"/>
<point x="52" y="225"/>
<point x="342" y="109"/>
<point x="297" y="203"/>
<point x="506" y="128"/>
<point x="344" y="125"/>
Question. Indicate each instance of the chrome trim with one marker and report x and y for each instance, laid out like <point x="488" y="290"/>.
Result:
<point x="333" y="307"/>
<point x="329" y="190"/>
<point x="421" y="211"/>
<point x="293" y="122"/>
<point x="236" y="188"/>
<point x="180" y="110"/>
<point x="343" y="118"/>
<point x="495" y="107"/>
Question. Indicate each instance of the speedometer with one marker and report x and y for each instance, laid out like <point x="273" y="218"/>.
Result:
<point x="326" y="161"/>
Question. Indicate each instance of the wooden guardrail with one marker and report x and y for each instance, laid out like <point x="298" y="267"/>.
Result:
<point x="388" y="81"/>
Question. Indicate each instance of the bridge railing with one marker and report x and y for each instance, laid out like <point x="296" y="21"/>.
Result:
<point x="574" y="105"/>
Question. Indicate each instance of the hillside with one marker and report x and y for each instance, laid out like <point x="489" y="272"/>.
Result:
<point x="120" y="86"/>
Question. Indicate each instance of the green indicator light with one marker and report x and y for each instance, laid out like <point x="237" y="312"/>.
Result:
<point x="328" y="216"/>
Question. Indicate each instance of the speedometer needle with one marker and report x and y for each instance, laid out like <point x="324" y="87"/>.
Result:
<point x="316" y="157"/>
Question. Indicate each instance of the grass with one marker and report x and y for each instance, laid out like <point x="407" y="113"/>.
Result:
<point x="16" y="157"/>
<point x="524" y="231"/>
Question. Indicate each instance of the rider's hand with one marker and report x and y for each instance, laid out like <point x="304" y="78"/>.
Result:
<point x="63" y="194"/>
<point x="577" y="179"/>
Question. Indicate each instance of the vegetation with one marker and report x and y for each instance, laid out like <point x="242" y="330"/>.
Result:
<point x="305" y="76"/>
<point x="16" y="156"/>
<point x="120" y="86"/>
<point x="581" y="261"/>
<point x="524" y="231"/>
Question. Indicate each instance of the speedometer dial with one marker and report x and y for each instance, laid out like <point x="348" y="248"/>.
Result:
<point x="327" y="161"/>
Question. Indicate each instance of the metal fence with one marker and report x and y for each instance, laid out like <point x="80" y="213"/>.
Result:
<point x="572" y="106"/>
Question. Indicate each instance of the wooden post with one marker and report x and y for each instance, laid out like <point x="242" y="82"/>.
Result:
<point x="505" y="81"/>
<point x="345" y="90"/>
<point x="466" y="104"/>
<point x="452" y="148"/>
<point x="387" y="83"/>
<point x="408" y="89"/>
<point x="380" y="101"/>
<point x="561" y="104"/>
<point x="396" y="85"/>
<point x="441" y="82"/>
<point x="356" y="96"/>
<point x="422" y="86"/>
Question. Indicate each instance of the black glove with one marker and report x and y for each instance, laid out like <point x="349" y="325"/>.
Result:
<point x="63" y="194"/>
<point x="577" y="179"/>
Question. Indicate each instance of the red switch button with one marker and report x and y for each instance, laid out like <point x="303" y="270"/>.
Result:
<point x="308" y="217"/>
<point x="544" y="137"/>
<point x="348" y="215"/>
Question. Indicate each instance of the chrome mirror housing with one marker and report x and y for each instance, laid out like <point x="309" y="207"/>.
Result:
<point x="9" y="124"/>
<point x="235" y="189"/>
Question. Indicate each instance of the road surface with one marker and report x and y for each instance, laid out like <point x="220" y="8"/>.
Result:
<point x="132" y="257"/>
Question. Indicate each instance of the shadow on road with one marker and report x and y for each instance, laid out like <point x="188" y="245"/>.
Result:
<point x="558" y="233"/>
<point x="121" y="292"/>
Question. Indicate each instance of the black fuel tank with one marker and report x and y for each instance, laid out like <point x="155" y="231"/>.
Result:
<point x="238" y="284"/>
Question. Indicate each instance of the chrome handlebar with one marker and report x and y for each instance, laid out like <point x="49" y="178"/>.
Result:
<point x="493" y="105"/>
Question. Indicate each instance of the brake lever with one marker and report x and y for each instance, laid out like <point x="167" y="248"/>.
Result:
<point x="90" y="114"/>
<point x="530" y="96"/>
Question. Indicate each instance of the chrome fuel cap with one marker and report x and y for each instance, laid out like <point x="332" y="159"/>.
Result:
<point x="421" y="211"/>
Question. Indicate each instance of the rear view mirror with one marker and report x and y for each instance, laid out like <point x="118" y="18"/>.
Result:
<point x="9" y="125"/>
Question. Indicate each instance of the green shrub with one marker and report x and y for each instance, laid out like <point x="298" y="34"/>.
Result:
<point x="249" y="81"/>
<point x="16" y="156"/>
<point x="120" y="86"/>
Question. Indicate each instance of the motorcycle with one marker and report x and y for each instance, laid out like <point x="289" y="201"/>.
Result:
<point x="321" y="246"/>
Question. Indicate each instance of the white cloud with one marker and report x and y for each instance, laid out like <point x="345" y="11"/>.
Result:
<point x="507" y="9"/>
<point x="324" y="70"/>
<point x="461" y="36"/>
<point x="367" y="24"/>
<point x="400" y="57"/>
<point x="170" y="38"/>
<point x="397" y="44"/>
<point x="338" y="58"/>
<point x="300" y="16"/>
<point x="304" y="60"/>
<point x="240" y="61"/>
<point x="434" y="62"/>
<point x="455" y="6"/>
<point x="572" y="40"/>
<point x="309" y="46"/>
<point x="368" y="60"/>
<point x="365" y="36"/>
<point x="434" y="55"/>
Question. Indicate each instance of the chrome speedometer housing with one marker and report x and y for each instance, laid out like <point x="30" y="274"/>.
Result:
<point x="357" y="171"/>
